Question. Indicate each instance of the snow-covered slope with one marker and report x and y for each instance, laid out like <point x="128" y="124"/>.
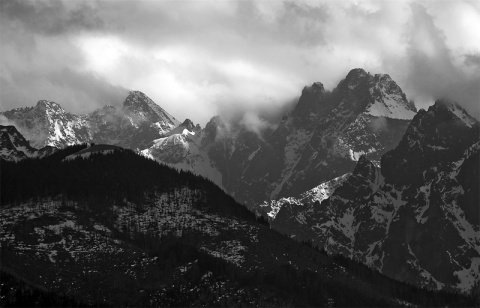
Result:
<point x="135" y="125"/>
<point x="301" y="206"/>
<point x="48" y="124"/>
<point x="14" y="147"/>
<point x="389" y="100"/>
<point x="103" y="149"/>
<point x="140" y="108"/>
<point x="417" y="218"/>
<point x="184" y="151"/>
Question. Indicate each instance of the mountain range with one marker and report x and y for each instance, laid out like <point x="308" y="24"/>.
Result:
<point x="415" y="217"/>
<point x="321" y="138"/>
<point x="355" y="171"/>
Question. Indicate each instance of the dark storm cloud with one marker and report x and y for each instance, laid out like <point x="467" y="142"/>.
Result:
<point x="78" y="92"/>
<point x="247" y="60"/>
<point x="52" y="17"/>
<point x="39" y="61"/>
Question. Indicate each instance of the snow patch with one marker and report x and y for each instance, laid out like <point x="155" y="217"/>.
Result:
<point x="391" y="107"/>
<point x="469" y="276"/>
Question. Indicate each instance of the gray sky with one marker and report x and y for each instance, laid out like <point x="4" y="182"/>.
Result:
<point x="242" y="58"/>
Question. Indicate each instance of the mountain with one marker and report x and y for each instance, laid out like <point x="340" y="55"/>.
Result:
<point x="326" y="133"/>
<point x="320" y="139"/>
<point x="117" y="229"/>
<point x="409" y="208"/>
<point x="135" y="125"/>
<point x="14" y="147"/>
<point x="301" y="206"/>
<point x="416" y="217"/>
<point x="48" y="124"/>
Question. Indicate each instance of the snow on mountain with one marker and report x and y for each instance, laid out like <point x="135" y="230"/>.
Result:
<point x="417" y="218"/>
<point x="314" y="195"/>
<point x="94" y="149"/>
<point x="390" y="101"/>
<point x="320" y="139"/>
<point x="140" y="108"/>
<point x="135" y="125"/>
<point x="48" y="124"/>
<point x="462" y="114"/>
<point x="14" y="147"/>
<point x="184" y="151"/>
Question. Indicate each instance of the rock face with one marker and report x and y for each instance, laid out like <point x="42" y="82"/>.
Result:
<point x="135" y="125"/>
<point x="321" y="139"/>
<point x="48" y="123"/>
<point x="327" y="132"/>
<point x="14" y="147"/>
<point x="416" y="218"/>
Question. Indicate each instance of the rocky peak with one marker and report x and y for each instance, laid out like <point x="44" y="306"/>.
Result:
<point x="9" y="129"/>
<point x="388" y="100"/>
<point x="140" y="105"/>
<point x="433" y="136"/>
<point x="453" y="110"/>
<point x="364" y="166"/>
<point x="188" y="124"/>
<point x="14" y="146"/>
<point x="49" y="107"/>
<point x="386" y="85"/>
<point x="356" y="77"/>
<point x="212" y="127"/>
<point x="105" y="110"/>
<point x="316" y="87"/>
<point x="137" y="101"/>
<point x="310" y="100"/>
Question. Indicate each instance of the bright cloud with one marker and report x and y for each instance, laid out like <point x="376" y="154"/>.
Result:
<point x="243" y="59"/>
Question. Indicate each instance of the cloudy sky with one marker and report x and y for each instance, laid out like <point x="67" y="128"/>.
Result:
<point x="201" y="58"/>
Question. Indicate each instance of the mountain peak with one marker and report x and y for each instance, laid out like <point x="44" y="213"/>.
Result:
<point x="461" y="114"/>
<point x="388" y="99"/>
<point x="137" y="98"/>
<point x="439" y="133"/>
<point x="309" y="100"/>
<point x="146" y="109"/>
<point x="315" y="87"/>
<point x="188" y="124"/>
<point x="356" y="80"/>
<point x="364" y="166"/>
<point x="356" y="73"/>
<point x="50" y="105"/>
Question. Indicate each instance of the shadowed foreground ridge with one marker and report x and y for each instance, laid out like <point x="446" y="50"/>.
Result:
<point x="157" y="236"/>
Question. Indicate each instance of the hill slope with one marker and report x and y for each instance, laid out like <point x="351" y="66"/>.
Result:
<point x="119" y="229"/>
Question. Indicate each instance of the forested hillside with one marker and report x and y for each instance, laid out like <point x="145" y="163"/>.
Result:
<point x="117" y="229"/>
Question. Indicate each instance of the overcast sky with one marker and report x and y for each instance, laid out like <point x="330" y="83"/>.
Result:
<point x="197" y="59"/>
